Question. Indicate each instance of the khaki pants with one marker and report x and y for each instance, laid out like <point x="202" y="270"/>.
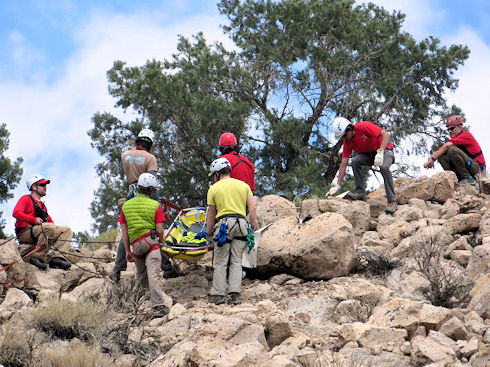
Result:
<point x="229" y="253"/>
<point x="457" y="161"/>
<point x="148" y="271"/>
<point x="58" y="236"/>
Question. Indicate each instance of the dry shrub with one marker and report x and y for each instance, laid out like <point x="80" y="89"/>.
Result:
<point x="68" y="320"/>
<point x="448" y="287"/>
<point x="78" y="355"/>
<point x="374" y="264"/>
<point x="16" y="349"/>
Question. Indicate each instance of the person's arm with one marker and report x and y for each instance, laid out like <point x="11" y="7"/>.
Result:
<point x="210" y="219"/>
<point x="385" y="138"/>
<point x="342" y="169"/>
<point x="252" y="212"/>
<point x="437" y="154"/>
<point x="159" y="231"/>
<point x="21" y="209"/>
<point x="125" y="238"/>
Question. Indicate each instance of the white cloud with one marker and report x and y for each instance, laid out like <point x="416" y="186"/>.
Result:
<point x="48" y="122"/>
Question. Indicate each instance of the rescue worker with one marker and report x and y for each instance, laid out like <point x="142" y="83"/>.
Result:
<point x="228" y="200"/>
<point x="136" y="161"/>
<point x="373" y="147"/>
<point x="142" y="232"/>
<point x="241" y="167"/>
<point x="33" y="224"/>
<point x="461" y="153"/>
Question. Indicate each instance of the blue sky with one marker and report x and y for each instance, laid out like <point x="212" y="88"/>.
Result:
<point x="54" y="55"/>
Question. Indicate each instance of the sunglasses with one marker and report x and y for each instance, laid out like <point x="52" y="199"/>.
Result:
<point x="43" y="185"/>
<point x="452" y="128"/>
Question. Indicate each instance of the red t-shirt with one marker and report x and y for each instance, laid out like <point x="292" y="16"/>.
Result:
<point x="367" y="139"/>
<point x="24" y="212"/>
<point x="159" y="217"/>
<point x="467" y="143"/>
<point x="241" y="168"/>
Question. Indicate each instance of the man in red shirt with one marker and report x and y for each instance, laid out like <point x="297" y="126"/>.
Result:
<point x="372" y="146"/>
<point x="34" y="224"/>
<point x="461" y="154"/>
<point x="241" y="168"/>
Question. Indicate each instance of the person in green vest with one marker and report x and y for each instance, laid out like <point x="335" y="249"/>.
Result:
<point x="142" y="231"/>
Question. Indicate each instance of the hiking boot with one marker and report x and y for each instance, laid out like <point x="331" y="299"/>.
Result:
<point x="57" y="263"/>
<point x="160" y="311"/>
<point x="116" y="276"/>
<point x="357" y="194"/>
<point x="217" y="300"/>
<point x="38" y="263"/>
<point x="391" y="207"/>
<point x="235" y="298"/>
<point x="467" y="181"/>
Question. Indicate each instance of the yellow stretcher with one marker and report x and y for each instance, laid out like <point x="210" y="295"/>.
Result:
<point x="185" y="239"/>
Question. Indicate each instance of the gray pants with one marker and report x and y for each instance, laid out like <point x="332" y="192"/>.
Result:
<point x="457" y="161"/>
<point x="230" y="253"/>
<point x="148" y="272"/>
<point x="367" y="159"/>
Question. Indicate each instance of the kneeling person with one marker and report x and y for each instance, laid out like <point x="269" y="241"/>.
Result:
<point x="228" y="200"/>
<point x="142" y="231"/>
<point x="34" y="225"/>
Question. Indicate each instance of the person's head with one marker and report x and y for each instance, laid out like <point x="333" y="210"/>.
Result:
<point x="342" y="128"/>
<point x="219" y="167"/>
<point x="147" y="183"/>
<point x="145" y="139"/>
<point x="36" y="184"/>
<point x="227" y="143"/>
<point x="454" y="125"/>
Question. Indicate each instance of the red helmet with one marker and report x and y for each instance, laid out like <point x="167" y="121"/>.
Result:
<point x="227" y="139"/>
<point x="454" y="120"/>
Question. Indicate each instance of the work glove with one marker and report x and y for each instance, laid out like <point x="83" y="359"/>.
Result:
<point x="378" y="160"/>
<point x="333" y="190"/>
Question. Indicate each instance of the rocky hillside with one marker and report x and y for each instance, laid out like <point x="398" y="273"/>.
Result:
<point x="338" y="283"/>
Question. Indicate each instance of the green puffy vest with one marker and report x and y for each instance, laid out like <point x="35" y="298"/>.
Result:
<point x="140" y="214"/>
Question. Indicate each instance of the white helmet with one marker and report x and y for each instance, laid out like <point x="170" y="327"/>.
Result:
<point x="147" y="180"/>
<point x="339" y="126"/>
<point x="147" y="134"/>
<point x="218" y="165"/>
<point x="35" y="178"/>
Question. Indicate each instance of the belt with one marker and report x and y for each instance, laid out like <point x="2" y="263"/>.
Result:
<point x="230" y="216"/>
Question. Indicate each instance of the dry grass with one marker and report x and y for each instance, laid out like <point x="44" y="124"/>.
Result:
<point x="375" y="264"/>
<point x="78" y="355"/>
<point x="68" y="320"/>
<point x="16" y="349"/>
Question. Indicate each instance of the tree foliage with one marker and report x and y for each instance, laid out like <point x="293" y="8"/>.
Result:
<point x="10" y="172"/>
<point x="297" y="65"/>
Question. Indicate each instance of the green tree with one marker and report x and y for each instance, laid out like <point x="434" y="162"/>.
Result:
<point x="185" y="102"/>
<point x="297" y="65"/>
<point x="10" y="172"/>
<point x="310" y="61"/>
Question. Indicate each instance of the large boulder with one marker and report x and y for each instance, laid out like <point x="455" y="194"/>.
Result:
<point x="480" y="296"/>
<point x="464" y="223"/>
<point x="479" y="262"/>
<point x="356" y="212"/>
<point x="397" y="313"/>
<point x="439" y="187"/>
<point x="9" y="252"/>
<point x="374" y="337"/>
<point x="272" y="207"/>
<point x="321" y="248"/>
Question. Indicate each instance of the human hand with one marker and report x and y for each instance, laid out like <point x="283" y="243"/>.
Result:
<point x="379" y="158"/>
<point x="38" y="221"/>
<point x="333" y="190"/>
<point x="129" y="257"/>
<point x="429" y="164"/>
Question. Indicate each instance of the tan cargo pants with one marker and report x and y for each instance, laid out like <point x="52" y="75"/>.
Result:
<point x="229" y="253"/>
<point x="148" y="270"/>
<point x="58" y="236"/>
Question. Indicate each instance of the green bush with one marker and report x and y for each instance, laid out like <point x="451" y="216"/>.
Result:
<point x="104" y="239"/>
<point x="68" y="320"/>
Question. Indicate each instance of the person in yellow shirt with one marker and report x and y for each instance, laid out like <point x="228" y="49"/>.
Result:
<point x="228" y="200"/>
